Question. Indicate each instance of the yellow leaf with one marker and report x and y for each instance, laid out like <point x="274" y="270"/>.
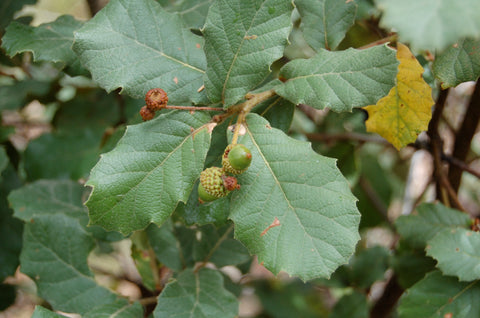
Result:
<point x="405" y="112"/>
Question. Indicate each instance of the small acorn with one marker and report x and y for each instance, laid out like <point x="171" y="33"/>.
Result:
<point x="236" y="159"/>
<point x="156" y="99"/>
<point x="211" y="185"/>
<point x="146" y="113"/>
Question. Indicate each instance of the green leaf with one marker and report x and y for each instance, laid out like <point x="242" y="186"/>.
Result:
<point x="153" y="167"/>
<point x="41" y="312"/>
<point x="278" y="112"/>
<point x="242" y="39"/>
<point x="196" y="294"/>
<point x="8" y="294"/>
<point x="325" y="22"/>
<point x="138" y="46"/>
<point x="294" y="209"/>
<point x="340" y="80"/>
<point x="457" y="64"/>
<point x="457" y="252"/>
<point x="431" y="24"/>
<point x="165" y="245"/>
<point x="193" y="212"/>
<point x="410" y="265"/>
<point x="11" y="229"/>
<point x="437" y="296"/>
<point x="4" y="160"/>
<point x="218" y="246"/>
<point x="369" y="266"/>
<point x="58" y="151"/>
<point x="353" y="305"/>
<point x="193" y="12"/>
<point x="8" y="9"/>
<point x="417" y="229"/>
<point x="48" y="197"/>
<point x="47" y="42"/>
<point x="56" y="244"/>
<point x="17" y="93"/>
<point x="118" y="309"/>
<point x="55" y="255"/>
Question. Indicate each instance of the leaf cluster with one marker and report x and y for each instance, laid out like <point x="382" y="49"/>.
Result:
<point x="304" y="85"/>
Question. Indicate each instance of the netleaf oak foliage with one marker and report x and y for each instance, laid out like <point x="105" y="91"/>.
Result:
<point x="228" y="80"/>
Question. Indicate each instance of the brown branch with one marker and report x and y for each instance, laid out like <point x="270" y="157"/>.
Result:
<point x="95" y="6"/>
<point x="460" y="165"/>
<point x="390" y="38"/>
<point x="386" y="303"/>
<point x="346" y="137"/>
<point x="436" y="146"/>
<point x="464" y="136"/>
<point x="374" y="199"/>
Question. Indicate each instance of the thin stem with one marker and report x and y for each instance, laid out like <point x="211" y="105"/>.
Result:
<point x="349" y="136"/>
<point x="390" y="38"/>
<point x="375" y="199"/>
<point x="194" y="108"/>
<point x="238" y="125"/>
<point x="148" y="300"/>
<point x="385" y="305"/>
<point x="244" y="108"/>
<point x="461" y="165"/>
<point x="154" y="268"/>
<point x="437" y="145"/>
<point x="214" y="248"/>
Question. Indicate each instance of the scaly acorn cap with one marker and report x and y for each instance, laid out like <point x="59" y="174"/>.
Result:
<point x="236" y="159"/>
<point x="211" y="184"/>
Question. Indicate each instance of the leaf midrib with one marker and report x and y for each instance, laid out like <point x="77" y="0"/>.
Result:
<point x="227" y="77"/>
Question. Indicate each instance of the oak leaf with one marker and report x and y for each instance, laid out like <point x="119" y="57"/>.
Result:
<point x="405" y="112"/>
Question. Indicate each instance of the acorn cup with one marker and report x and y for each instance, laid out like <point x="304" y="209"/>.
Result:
<point x="214" y="184"/>
<point x="236" y="159"/>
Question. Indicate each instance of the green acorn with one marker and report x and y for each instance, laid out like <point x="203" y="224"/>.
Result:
<point x="236" y="159"/>
<point x="211" y="185"/>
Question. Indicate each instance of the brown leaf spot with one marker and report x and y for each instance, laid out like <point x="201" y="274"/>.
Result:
<point x="201" y="88"/>
<point x="469" y="233"/>
<point x="275" y="223"/>
<point x="450" y="300"/>
<point x="455" y="45"/>
<point x="348" y="1"/>
<point x="175" y="79"/>
<point x="457" y="249"/>
<point x="250" y="37"/>
<point x="448" y="314"/>
<point x="198" y="46"/>
<point x="268" y="126"/>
